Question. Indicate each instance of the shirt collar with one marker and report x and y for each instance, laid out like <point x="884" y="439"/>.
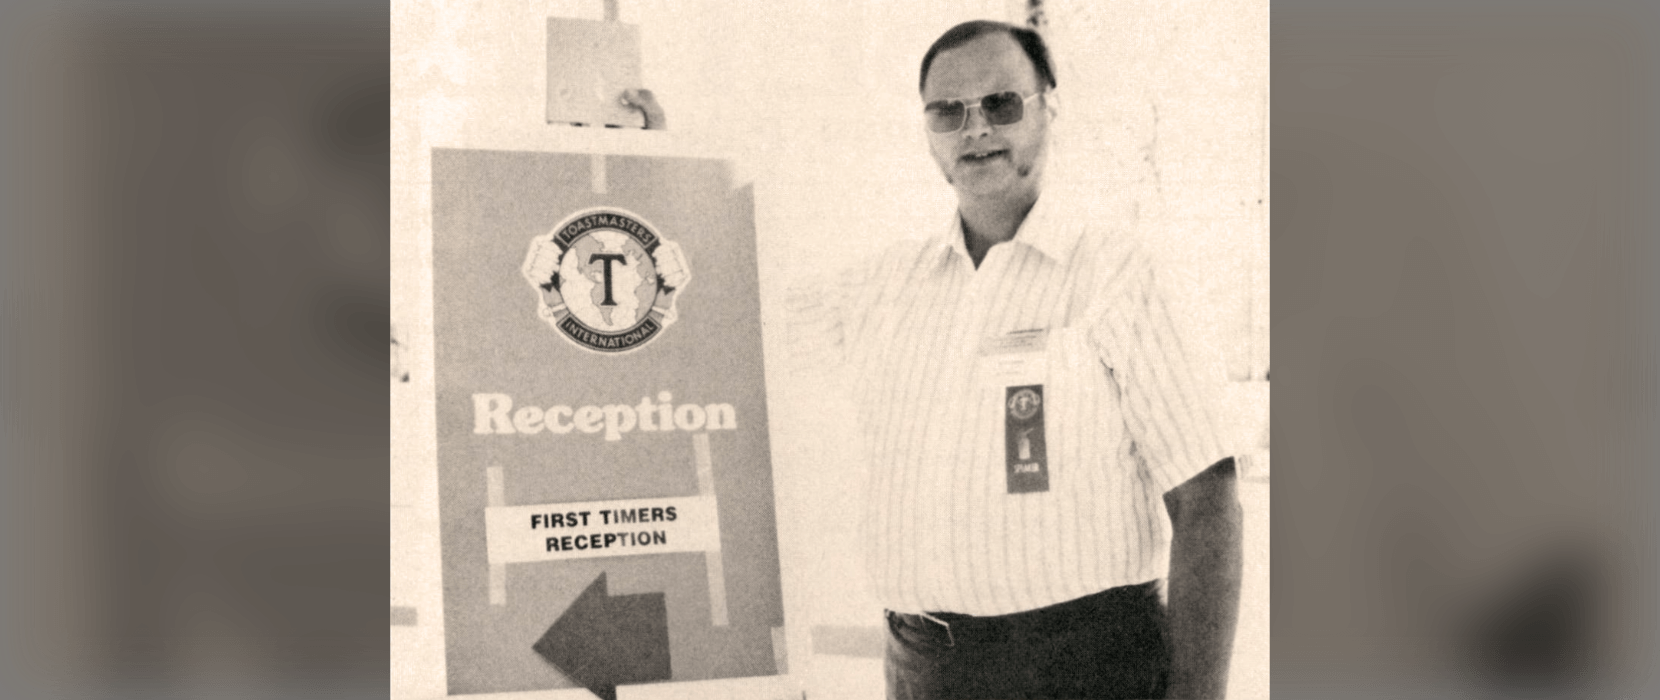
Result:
<point x="1045" y="230"/>
<point x="951" y="242"/>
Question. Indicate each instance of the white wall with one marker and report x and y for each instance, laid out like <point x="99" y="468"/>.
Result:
<point x="1169" y="99"/>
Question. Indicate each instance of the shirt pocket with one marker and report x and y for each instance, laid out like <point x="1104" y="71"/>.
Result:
<point x="1085" y="428"/>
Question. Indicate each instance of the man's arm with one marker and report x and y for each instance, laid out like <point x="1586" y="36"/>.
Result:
<point x="1206" y="564"/>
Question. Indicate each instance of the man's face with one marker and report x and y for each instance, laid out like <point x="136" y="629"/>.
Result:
<point x="983" y="160"/>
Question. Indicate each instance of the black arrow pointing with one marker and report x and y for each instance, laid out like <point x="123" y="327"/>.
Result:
<point x="603" y="641"/>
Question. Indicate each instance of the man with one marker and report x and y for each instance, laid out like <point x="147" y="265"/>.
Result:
<point x="1028" y="411"/>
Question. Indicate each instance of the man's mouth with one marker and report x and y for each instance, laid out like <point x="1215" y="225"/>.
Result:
<point x="982" y="156"/>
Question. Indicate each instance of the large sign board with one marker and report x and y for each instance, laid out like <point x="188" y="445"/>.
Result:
<point x="605" y="485"/>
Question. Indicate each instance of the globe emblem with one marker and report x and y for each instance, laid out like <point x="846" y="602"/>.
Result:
<point x="609" y="281"/>
<point x="606" y="280"/>
<point x="1024" y="404"/>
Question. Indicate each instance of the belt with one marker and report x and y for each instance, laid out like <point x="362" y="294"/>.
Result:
<point x="957" y="627"/>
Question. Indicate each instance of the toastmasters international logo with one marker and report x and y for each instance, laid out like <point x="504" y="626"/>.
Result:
<point x="606" y="279"/>
<point x="1024" y="404"/>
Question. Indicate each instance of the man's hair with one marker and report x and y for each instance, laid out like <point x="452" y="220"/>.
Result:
<point x="1030" y="41"/>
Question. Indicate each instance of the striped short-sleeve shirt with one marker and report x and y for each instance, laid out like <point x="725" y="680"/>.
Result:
<point x="1124" y="417"/>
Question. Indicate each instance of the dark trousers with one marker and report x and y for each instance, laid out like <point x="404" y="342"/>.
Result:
<point x="1106" y="645"/>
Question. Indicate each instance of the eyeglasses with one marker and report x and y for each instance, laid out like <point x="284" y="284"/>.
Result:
<point x="1000" y="109"/>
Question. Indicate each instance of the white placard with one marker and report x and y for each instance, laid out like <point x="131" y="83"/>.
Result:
<point x="559" y="531"/>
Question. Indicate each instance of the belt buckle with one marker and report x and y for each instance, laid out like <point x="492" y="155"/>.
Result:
<point x="950" y="637"/>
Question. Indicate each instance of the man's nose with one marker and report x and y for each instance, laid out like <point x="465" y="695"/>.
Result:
<point x="975" y="123"/>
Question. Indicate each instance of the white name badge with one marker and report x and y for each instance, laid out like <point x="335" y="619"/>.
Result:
<point x="1015" y="359"/>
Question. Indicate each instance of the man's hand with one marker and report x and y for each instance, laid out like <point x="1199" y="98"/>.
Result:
<point x="1206" y="565"/>
<point x="642" y="99"/>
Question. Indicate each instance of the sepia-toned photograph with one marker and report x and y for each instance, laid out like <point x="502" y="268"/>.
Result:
<point x="838" y="349"/>
<point x="848" y="350"/>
